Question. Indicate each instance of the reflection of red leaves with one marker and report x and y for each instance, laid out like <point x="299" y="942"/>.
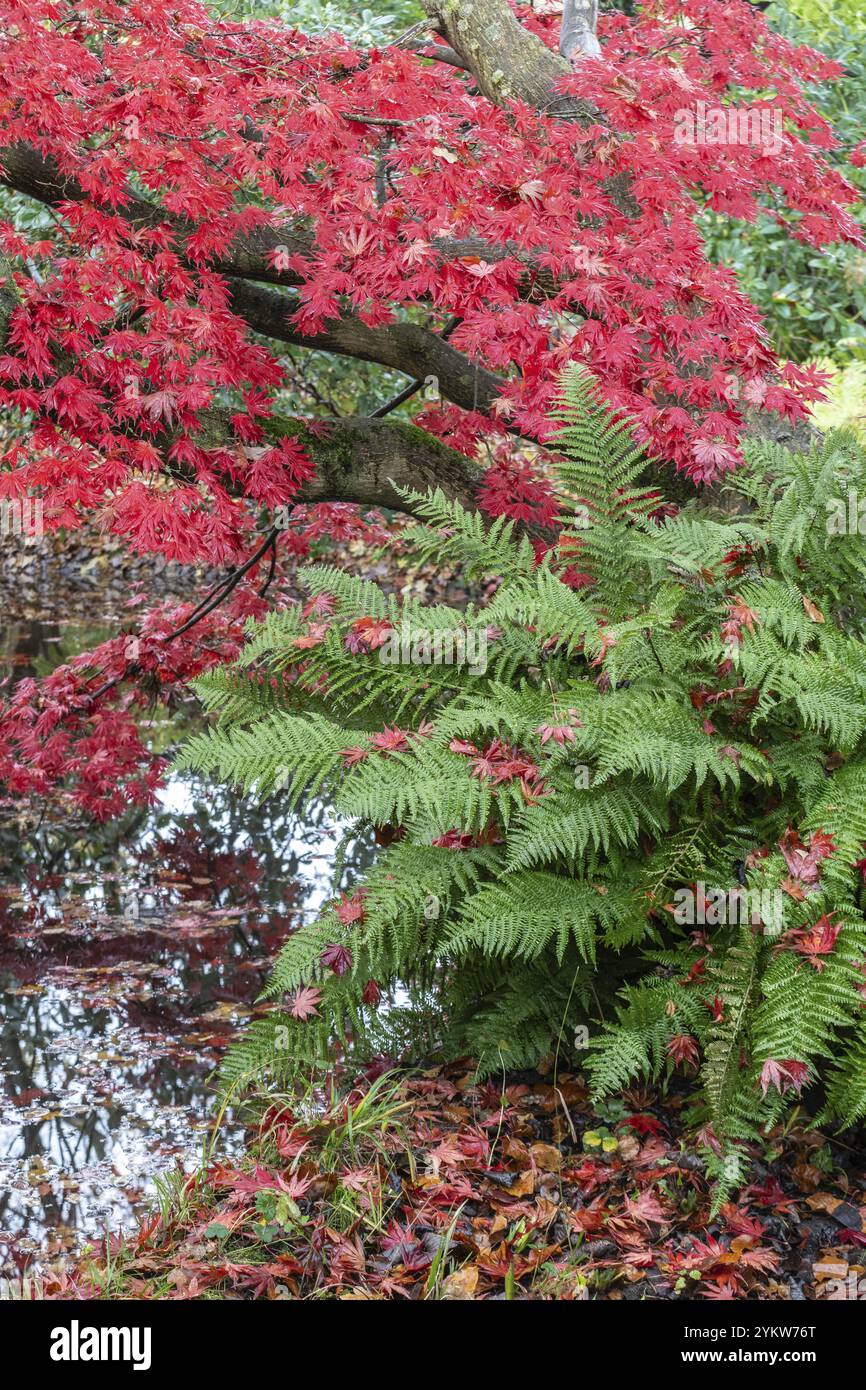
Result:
<point x="789" y="1075"/>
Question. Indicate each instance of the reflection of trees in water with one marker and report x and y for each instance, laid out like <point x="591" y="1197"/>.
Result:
<point x="43" y="1071"/>
<point x="140" y="873"/>
<point x="34" y="646"/>
<point x="248" y="851"/>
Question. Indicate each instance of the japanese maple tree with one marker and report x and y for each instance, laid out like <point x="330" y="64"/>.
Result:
<point x="495" y="194"/>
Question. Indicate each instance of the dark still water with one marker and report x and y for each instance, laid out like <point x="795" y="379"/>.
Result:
<point x="130" y="956"/>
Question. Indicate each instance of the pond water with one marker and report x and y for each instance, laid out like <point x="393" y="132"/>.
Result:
<point x="130" y="955"/>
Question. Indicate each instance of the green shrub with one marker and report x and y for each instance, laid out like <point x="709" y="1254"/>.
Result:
<point x="668" y="710"/>
<point x="813" y="300"/>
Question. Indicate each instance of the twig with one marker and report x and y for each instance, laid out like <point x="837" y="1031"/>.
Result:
<point x="380" y="120"/>
<point x="232" y="583"/>
<point x="271" y="569"/>
<point x="414" y="386"/>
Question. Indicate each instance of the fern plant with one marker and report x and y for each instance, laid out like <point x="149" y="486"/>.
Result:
<point x="622" y="806"/>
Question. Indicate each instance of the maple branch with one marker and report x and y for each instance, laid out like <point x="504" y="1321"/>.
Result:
<point x="361" y="459"/>
<point x="442" y="54"/>
<point x="222" y="590"/>
<point x="414" y="386"/>
<point x="365" y="461"/>
<point x="400" y="399"/>
<point x="247" y="257"/>
<point x="409" y="348"/>
<point x="419" y="40"/>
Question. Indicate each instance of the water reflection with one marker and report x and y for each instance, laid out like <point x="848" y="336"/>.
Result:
<point x="129" y="956"/>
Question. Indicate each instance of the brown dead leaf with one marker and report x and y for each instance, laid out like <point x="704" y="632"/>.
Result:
<point x="823" y="1201"/>
<point x="461" y="1284"/>
<point x="814" y="613"/>
<point x="807" y="1176"/>
<point x="516" y="1149"/>
<point x="545" y="1211"/>
<point x="794" y="889"/>
<point x="525" y="1185"/>
<point x="546" y="1157"/>
<point x="629" y="1146"/>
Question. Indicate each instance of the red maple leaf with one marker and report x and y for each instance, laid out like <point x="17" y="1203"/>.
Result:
<point x="303" y="1004"/>
<point x="789" y="1075"/>
<point x="390" y="741"/>
<point x="560" y="733"/>
<point x="351" y="909"/>
<point x="367" y="634"/>
<point x="815" y="941"/>
<point x="351" y="756"/>
<point x="682" y="1048"/>
<point x="337" y="958"/>
<point x="804" y="861"/>
<point x="372" y="993"/>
